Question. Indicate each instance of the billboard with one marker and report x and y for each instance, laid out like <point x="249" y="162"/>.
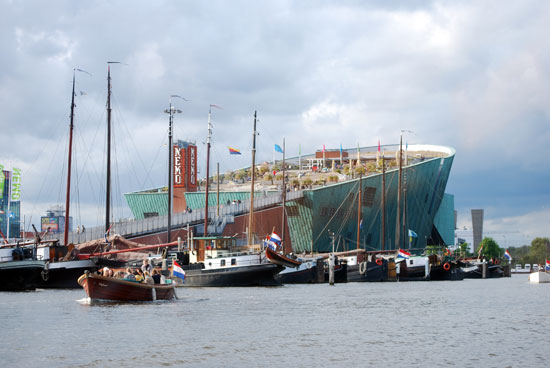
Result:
<point x="50" y="224"/>
<point x="15" y="185"/>
<point x="2" y="179"/>
<point x="191" y="167"/>
<point x="179" y="167"/>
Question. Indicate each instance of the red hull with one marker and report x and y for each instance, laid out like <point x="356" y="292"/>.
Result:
<point x="109" y="288"/>
<point x="281" y="259"/>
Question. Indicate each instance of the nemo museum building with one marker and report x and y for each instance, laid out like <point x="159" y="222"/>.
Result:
<point x="333" y="198"/>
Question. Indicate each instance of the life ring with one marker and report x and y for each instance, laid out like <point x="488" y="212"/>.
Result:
<point x="362" y="268"/>
<point x="379" y="262"/>
<point x="447" y="266"/>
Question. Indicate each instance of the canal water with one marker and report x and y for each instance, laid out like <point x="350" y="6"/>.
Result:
<point x="471" y="323"/>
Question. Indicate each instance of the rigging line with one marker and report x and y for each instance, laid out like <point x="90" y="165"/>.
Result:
<point x="88" y="156"/>
<point x="148" y="172"/>
<point x="127" y="134"/>
<point x="155" y="159"/>
<point x="335" y="212"/>
<point x="63" y="172"/>
<point x="54" y="133"/>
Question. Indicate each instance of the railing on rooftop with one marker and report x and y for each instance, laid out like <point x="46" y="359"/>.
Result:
<point x="155" y="224"/>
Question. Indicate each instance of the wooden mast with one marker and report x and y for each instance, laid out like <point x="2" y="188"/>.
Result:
<point x="207" y="170"/>
<point x="68" y="195"/>
<point x="359" y="196"/>
<point x="284" y="200"/>
<point x="383" y="234"/>
<point x="252" y="169"/>
<point x="398" y="220"/>
<point x="108" y="184"/>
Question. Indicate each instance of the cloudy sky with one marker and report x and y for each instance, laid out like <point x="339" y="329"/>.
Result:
<point x="473" y="75"/>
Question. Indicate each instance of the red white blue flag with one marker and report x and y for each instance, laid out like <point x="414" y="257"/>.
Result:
<point x="507" y="255"/>
<point x="403" y="254"/>
<point x="178" y="271"/>
<point x="547" y="268"/>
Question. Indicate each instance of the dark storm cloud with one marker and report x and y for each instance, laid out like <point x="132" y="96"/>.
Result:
<point x="471" y="75"/>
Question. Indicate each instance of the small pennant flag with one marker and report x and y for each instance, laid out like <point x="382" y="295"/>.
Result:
<point x="412" y="234"/>
<point x="379" y="145"/>
<point x="278" y="148"/>
<point x="234" y="151"/>
<point x="341" y="149"/>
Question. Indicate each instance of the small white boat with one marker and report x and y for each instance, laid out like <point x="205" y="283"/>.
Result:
<point x="539" y="277"/>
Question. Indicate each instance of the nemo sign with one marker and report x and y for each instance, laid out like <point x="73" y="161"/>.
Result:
<point x="184" y="167"/>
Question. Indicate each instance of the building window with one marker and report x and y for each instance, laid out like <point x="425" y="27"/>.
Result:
<point x="150" y="214"/>
<point x="222" y="263"/>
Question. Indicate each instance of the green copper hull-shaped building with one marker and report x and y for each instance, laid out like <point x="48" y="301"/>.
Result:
<point x="329" y="198"/>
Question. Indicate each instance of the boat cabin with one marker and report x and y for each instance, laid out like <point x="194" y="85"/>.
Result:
<point x="221" y="252"/>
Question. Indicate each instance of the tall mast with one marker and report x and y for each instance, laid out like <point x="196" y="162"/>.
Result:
<point x="108" y="184"/>
<point x="383" y="234"/>
<point x="359" y="196"/>
<point x="398" y="220"/>
<point x="251" y="213"/>
<point x="208" y="137"/>
<point x="68" y="195"/>
<point x="283" y="198"/>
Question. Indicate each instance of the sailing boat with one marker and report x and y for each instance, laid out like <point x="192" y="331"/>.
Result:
<point x="62" y="269"/>
<point x="219" y="260"/>
<point x="274" y="241"/>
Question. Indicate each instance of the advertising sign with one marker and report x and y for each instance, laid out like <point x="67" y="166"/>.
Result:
<point x="179" y="167"/>
<point x="16" y="185"/>
<point x="192" y="166"/>
<point x="1" y="180"/>
<point x="51" y="223"/>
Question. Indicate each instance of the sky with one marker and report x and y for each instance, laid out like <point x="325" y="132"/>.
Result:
<point x="472" y="75"/>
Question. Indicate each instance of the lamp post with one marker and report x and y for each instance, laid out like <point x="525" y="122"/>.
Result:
<point x="170" y="111"/>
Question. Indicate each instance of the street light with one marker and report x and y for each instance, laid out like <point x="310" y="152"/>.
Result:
<point x="170" y="111"/>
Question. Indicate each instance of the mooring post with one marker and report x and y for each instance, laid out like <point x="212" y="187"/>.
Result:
<point x="484" y="270"/>
<point x="331" y="269"/>
<point x="331" y="261"/>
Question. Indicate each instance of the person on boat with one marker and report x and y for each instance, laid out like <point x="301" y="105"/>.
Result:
<point x="148" y="279"/>
<point x="146" y="266"/>
<point x="138" y="274"/>
<point x="129" y="275"/>
<point x="156" y="276"/>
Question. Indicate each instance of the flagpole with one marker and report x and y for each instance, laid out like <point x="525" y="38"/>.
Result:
<point x="359" y="196"/>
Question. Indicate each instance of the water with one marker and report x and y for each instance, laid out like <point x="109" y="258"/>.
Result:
<point x="470" y="323"/>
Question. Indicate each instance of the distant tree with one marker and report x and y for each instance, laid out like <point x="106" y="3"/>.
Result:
<point x="491" y="248"/>
<point x="295" y="183"/>
<point x="308" y="182"/>
<point x="263" y="169"/>
<point x="279" y="176"/>
<point x="360" y="170"/>
<point x="371" y="167"/>
<point x="538" y="252"/>
<point x="464" y="250"/>
<point x="268" y="177"/>
<point x="240" y="175"/>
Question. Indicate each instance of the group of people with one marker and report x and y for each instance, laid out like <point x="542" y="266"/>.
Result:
<point x="146" y="274"/>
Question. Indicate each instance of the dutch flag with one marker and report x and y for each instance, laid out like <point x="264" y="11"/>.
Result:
<point x="507" y="255"/>
<point x="275" y="238"/>
<point x="178" y="271"/>
<point x="403" y="254"/>
<point x="547" y="268"/>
